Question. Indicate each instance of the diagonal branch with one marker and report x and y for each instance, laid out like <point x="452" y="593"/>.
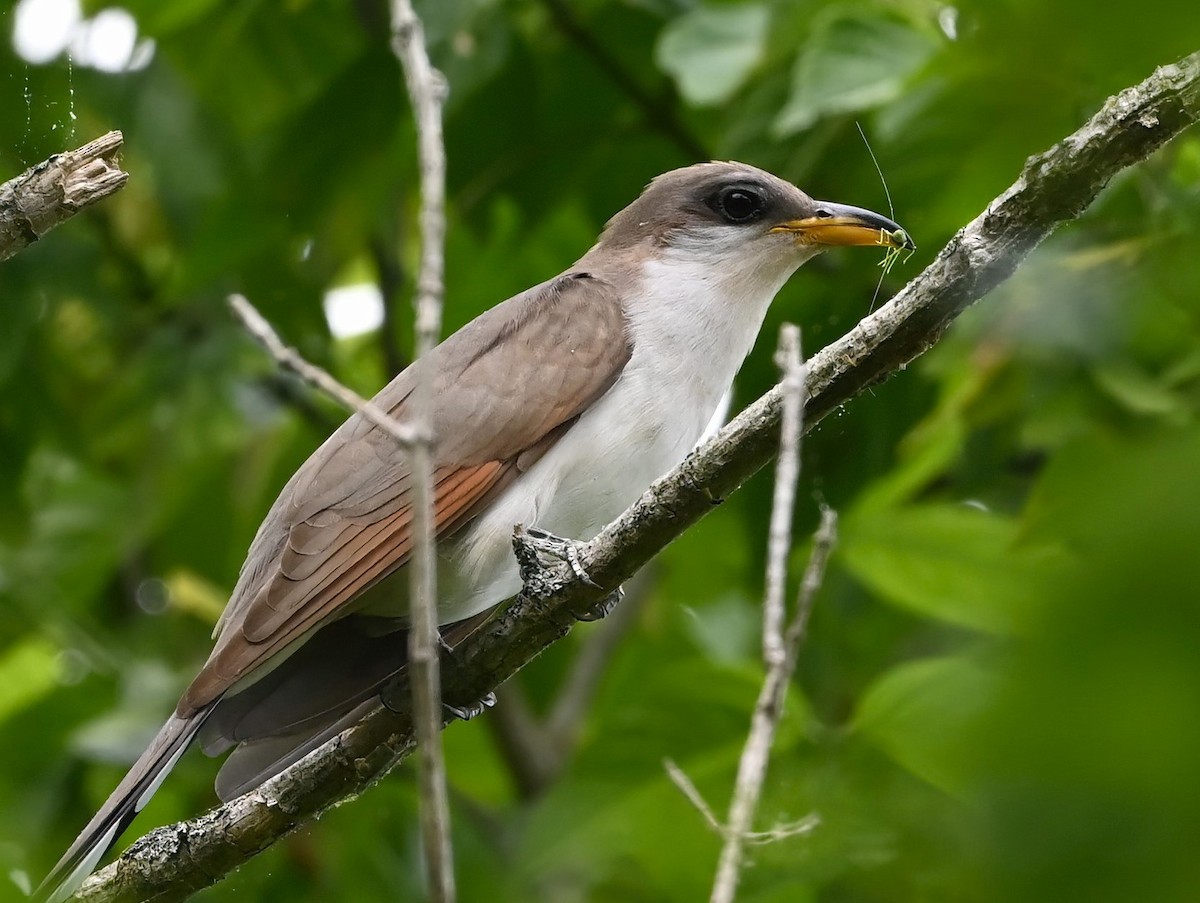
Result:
<point x="288" y="357"/>
<point x="50" y="193"/>
<point x="1054" y="187"/>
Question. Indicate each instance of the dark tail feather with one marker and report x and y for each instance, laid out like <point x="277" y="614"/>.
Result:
<point x="119" y="809"/>
<point x="255" y="761"/>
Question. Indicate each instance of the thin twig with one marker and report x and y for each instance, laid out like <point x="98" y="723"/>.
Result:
<point x="779" y="651"/>
<point x="787" y="473"/>
<point x="427" y="91"/>
<point x="753" y="838"/>
<point x="752" y="768"/>
<point x="50" y="193"/>
<point x="692" y="792"/>
<point x="288" y="357"/>
<point x="823" y="543"/>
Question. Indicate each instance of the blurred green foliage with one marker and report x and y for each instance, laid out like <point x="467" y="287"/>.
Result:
<point x="1000" y="695"/>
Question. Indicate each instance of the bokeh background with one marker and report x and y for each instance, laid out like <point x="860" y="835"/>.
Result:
<point x="1000" y="695"/>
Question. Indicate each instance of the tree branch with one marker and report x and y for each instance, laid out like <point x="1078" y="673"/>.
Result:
<point x="787" y="474"/>
<point x="1054" y="187"/>
<point x="780" y="647"/>
<point x="50" y="193"/>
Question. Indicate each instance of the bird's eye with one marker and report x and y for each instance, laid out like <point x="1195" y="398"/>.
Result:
<point x="739" y="205"/>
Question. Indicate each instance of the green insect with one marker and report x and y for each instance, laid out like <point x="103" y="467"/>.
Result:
<point x="894" y="241"/>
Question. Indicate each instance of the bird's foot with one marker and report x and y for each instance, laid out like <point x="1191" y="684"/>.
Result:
<point x="467" y="712"/>
<point x="601" y="608"/>
<point x="470" y="710"/>
<point x="396" y="699"/>
<point x="560" y="549"/>
<point x="395" y="694"/>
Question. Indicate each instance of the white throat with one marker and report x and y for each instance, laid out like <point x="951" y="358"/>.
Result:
<point x="701" y="305"/>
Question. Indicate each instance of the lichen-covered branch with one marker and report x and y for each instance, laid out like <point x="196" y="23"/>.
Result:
<point x="53" y="191"/>
<point x="1054" y="187"/>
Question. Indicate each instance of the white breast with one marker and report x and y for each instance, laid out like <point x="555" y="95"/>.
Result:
<point x="692" y="326"/>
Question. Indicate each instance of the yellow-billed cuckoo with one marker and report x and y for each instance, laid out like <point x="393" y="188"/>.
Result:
<point x="556" y="408"/>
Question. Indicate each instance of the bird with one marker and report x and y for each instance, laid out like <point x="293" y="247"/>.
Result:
<point x="555" y="408"/>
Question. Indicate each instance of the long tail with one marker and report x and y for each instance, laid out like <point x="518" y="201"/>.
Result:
<point x="119" y="809"/>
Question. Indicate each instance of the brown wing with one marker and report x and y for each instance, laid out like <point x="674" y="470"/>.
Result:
<point x="506" y="386"/>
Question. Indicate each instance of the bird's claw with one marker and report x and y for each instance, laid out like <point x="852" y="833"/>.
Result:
<point x="561" y="549"/>
<point x="602" y="608"/>
<point x="467" y="712"/>
<point x="395" y="694"/>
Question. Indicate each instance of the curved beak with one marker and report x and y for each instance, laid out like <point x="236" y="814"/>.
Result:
<point x="843" y="225"/>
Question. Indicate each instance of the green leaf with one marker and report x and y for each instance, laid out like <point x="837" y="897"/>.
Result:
<point x="71" y="548"/>
<point x="852" y="61"/>
<point x="19" y="321"/>
<point x="710" y="51"/>
<point x="916" y="713"/>
<point x="950" y="562"/>
<point x="927" y="452"/>
<point x="1139" y="392"/>
<point x="728" y="630"/>
<point x="161" y="19"/>
<point x="28" y="671"/>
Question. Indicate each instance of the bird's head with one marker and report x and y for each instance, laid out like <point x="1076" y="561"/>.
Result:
<point x="738" y="212"/>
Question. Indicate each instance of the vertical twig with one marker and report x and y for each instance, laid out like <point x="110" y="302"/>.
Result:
<point x="427" y="89"/>
<point x="752" y="768"/>
<point x="823" y="542"/>
<point x="780" y="646"/>
<point x="787" y="473"/>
